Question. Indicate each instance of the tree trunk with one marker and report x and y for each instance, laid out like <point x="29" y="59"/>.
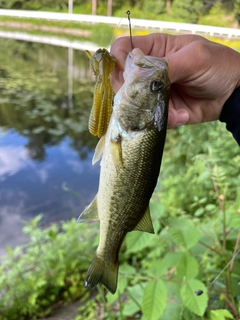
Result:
<point x="94" y="7"/>
<point x="109" y="11"/>
<point x="168" y="6"/>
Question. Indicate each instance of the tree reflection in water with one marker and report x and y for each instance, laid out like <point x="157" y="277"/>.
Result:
<point x="38" y="116"/>
<point x="34" y="96"/>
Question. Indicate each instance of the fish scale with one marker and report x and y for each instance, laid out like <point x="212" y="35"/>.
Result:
<point x="131" y="155"/>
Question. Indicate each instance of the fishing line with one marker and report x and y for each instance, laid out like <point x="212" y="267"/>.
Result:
<point x="224" y="268"/>
<point x="118" y="25"/>
<point x="130" y="29"/>
<point x="200" y="292"/>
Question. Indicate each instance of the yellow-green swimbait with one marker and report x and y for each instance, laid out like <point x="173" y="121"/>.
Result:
<point x="103" y="64"/>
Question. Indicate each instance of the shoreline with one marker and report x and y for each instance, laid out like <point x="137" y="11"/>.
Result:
<point x="53" y="29"/>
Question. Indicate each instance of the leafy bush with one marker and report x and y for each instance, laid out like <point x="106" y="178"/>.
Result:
<point x="102" y="34"/>
<point x="167" y="271"/>
<point x="48" y="270"/>
<point x="187" y="11"/>
<point x="217" y="16"/>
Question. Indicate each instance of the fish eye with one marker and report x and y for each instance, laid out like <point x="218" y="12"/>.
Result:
<point x="156" y="85"/>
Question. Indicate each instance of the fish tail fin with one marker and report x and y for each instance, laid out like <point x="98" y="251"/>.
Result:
<point x="100" y="272"/>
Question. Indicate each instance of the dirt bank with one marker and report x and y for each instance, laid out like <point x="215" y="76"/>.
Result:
<point x="52" y="29"/>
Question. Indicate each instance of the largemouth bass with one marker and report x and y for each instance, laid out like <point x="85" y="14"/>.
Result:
<point x="131" y="155"/>
<point x="103" y="64"/>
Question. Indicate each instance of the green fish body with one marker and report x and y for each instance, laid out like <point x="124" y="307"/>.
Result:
<point x="131" y="154"/>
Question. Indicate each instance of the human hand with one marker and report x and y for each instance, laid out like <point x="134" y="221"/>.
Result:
<point x="203" y="74"/>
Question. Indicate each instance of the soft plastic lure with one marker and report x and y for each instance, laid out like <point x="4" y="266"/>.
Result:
<point x="102" y="63"/>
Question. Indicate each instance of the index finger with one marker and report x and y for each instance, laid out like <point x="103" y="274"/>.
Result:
<point x="120" y="49"/>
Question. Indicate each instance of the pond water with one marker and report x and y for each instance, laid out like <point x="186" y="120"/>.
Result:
<point x="45" y="147"/>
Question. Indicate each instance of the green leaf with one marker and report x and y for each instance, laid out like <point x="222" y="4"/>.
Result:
<point x="130" y="308"/>
<point x="137" y="240"/>
<point x="195" y="303"/>
<point x="154" y="300"/>
<point x="135" y="295"/>
<point x="156" y="209"/>
<point x="187" y="266"/>
<point x="199" y="212"/>
<point x="220" y="314"/>
<point x="169" y="261"/>
<point x="184" y="233"/>
<point x="173" y="310"/>
<point x="126" y="269"/>
<point x="9" y="251"/>
<point x="137" y="291"/>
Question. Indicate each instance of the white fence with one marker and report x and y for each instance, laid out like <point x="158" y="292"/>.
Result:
<point x="137" y="23"/>
<point x="54" y="41"/>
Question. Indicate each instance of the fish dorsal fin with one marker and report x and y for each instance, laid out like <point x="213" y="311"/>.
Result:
<point x="90" y="213"/>
<point x="116" y="152"/>
<point x="99" y="150"/>
<point x="145" y="224"/>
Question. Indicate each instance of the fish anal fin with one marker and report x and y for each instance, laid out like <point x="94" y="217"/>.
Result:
<point x="116" y="152"/>
<point x="99" y="150"/>
<point x="90" y="213"/>
<point x="102" y="272"/>
<point x="145" y="224"/>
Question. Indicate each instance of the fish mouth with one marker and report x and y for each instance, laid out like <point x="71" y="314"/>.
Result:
<point x="138" y="64"/>
<point x="143" y="67"/>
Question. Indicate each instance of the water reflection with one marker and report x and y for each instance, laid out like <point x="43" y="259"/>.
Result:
<point x="44" y="139"/>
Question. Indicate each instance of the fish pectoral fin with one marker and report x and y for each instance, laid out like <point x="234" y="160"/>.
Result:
<point x="99" y="150"/>
<point x="90" y="213"/>
<point x="102" y="272"/>
<point x="116" y="152"/>
<point x="145" y="224"/>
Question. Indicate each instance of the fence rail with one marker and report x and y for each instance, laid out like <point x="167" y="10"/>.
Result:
<point x="54" y="41"/>
<point x="123" y="22"/>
